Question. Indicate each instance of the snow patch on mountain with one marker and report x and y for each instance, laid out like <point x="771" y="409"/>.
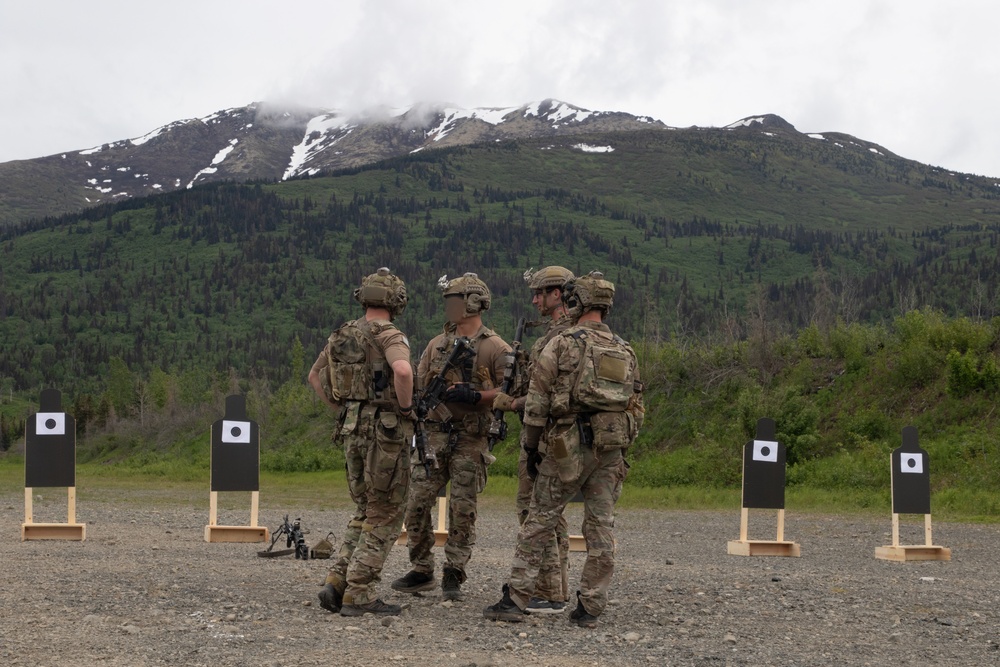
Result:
<point x="139" y="141"/>
<point x="316" y="139"/>
<point x="555" y="111"/>
<point x="218" y="159"/>
<point x="493" y="116"/>
<point x="746" y="122"/>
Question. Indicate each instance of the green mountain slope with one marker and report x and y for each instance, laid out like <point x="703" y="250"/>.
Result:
<point x="704" y="231"/>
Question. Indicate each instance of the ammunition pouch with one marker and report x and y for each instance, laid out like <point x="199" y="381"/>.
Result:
<point x="563" y="443"/>
<point x="610" y="430"/>
<point x="323" y="548"/>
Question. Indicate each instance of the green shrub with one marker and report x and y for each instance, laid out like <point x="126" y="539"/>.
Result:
<point x="967" y="374"/>
<point x="796" y="420"/>
<point x="868" y="424"/>
<point x="916" y="366"/>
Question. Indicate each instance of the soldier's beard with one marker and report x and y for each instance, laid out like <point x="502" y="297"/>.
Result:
<point x="546" y="309"/>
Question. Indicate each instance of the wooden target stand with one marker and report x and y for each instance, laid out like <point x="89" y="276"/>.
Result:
<point x="912" y="552"/>
<point x="71" y="530"/>
<point x="50" y="461"/>
<point x="250" y="533"/>
<point x="235" y="466"/>
<point x="763" y="488"/>
<point x="441" y="532"/>
<point x="911" y="494"/>
<point x="776" y="547"/>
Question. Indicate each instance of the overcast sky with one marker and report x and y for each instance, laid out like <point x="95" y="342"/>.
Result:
<point x="918" y="77"/>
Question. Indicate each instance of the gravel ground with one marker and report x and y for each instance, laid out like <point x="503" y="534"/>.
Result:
<point x="145" y="589"/>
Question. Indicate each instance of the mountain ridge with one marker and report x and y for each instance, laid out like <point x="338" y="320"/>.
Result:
<point x="266" y="142"/>
<point x="261" y="141"/>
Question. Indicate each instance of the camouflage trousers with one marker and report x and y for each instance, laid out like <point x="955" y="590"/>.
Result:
<point x="600" y="481"/>
<point x="465" y="468"/>
<point x="377" y="450"/>
<point x="553" y="572"/>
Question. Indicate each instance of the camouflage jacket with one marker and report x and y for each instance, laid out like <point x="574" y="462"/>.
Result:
<point x="554" y="372"/>
<point x="553" y="329"/>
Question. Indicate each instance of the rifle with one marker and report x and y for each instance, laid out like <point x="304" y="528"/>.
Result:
<point x="433" y="395"/>
<point x="498" y="427"/>
<point x="294" y="535"/>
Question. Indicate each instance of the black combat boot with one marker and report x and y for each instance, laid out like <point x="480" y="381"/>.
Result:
<point x="376" y="607"/>
<point x="580" y="615"/>
<point x="505" y="610"/>
<point x="543" y="606"/>
<point x="330" y="598"/>
<point x="414" y="582"/>
<point x="451" y="584"/>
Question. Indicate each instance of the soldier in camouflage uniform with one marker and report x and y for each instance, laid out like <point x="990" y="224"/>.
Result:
<point x="364" y="374"/>
<point x="457" y="439"/>
<point x="552" y="585"/>
<point x="586" y="397"/>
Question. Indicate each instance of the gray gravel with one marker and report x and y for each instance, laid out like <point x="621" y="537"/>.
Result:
<point x="145" y="589"/>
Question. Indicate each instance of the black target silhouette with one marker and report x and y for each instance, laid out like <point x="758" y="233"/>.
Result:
<point x="50" y="444"/>
<point x="235" y="454"/>
<point x="764" y="469"/>
<point x="911" y="481"/>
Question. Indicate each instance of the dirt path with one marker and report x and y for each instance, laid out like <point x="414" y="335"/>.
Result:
<point x="145" y="589"/>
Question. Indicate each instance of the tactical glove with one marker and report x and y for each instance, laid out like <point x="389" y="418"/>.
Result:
<point x="462" y="393"/>
<point x="532" y="462"/>
<point x="503" y="402"/>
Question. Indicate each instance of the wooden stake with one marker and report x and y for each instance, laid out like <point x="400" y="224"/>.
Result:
<point x="927" y="530"/>
<point x="781" y="525"/>
<point x="254" y="504"/>
<point x="71" y="505"/>
<point x="744" y="523"/>
<point x="28" y="511"/>
<point x="213" y="508"/>
<point x="442" y="526"/>
<point x="895" y="530"/>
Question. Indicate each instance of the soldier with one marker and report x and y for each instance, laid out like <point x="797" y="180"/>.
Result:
<point x="585" y="396"/>
<point x="457" y="439"/>
<point x="364" y="374"/>
<point x="552" y="585"/>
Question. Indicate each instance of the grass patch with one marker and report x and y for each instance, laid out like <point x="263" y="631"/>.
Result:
<point x="157" y="485"/>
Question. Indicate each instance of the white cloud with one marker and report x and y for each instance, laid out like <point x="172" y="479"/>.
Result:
<point x="916" y="77"/>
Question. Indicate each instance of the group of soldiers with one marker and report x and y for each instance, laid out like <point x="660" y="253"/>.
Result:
<point x="580" y="400"/>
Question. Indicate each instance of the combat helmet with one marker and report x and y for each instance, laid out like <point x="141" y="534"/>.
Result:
<point x="589" y="292"/>
<point x="473" y="290"/>
<point x="382" y="289"/>
<point x="549" y="277"/>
